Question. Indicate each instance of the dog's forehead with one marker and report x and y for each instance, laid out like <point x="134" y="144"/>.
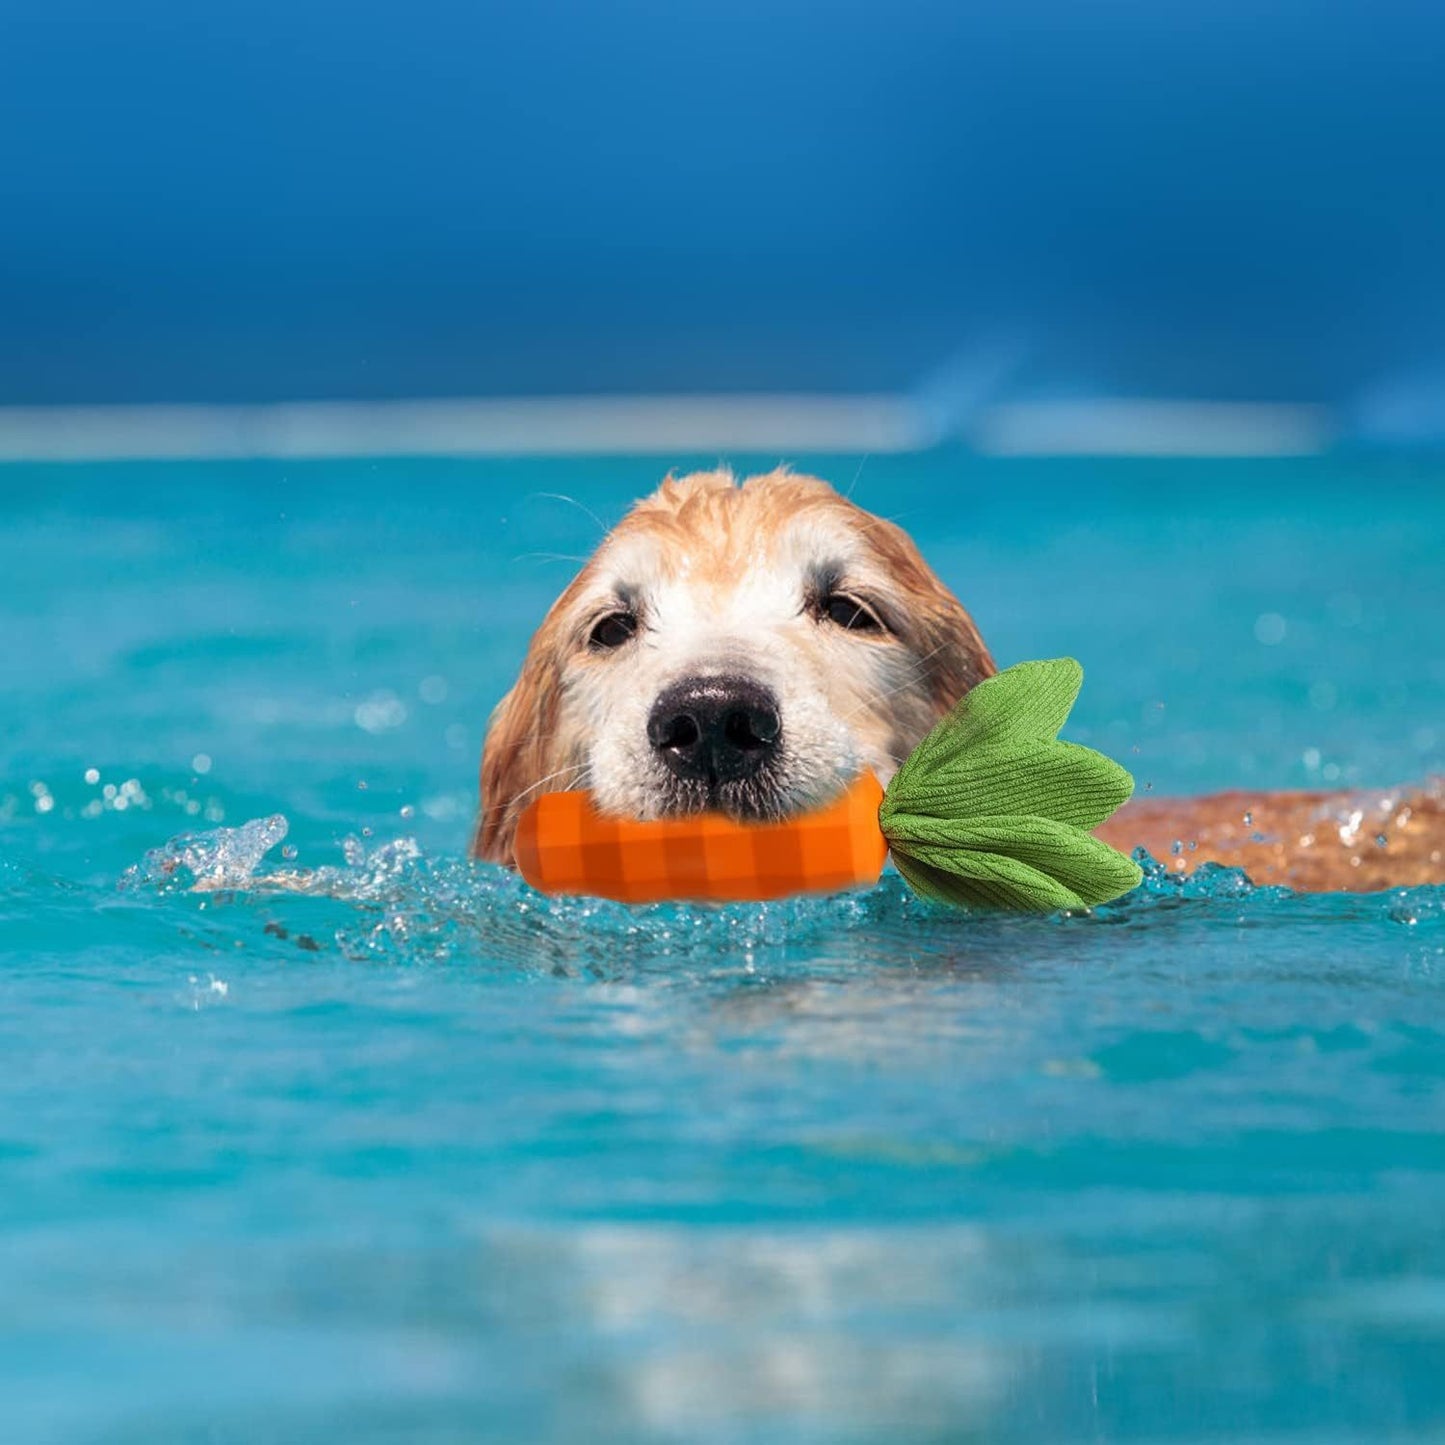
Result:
<point x="745" y="550"/>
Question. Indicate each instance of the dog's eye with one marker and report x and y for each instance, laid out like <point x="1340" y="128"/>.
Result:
<point x="849" y="612"/>
<point x="613" y="630"/>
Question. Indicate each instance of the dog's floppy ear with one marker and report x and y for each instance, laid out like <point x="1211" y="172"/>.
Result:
<point x="956" y="658"/>
<point x="516" y="757"/>
<point x="953" y="653"/>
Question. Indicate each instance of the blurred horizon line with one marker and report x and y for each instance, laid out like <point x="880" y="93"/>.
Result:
<point x="651" y="424"/>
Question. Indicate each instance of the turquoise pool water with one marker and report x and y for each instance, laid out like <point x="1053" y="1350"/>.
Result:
<point x="442" y="1161"/>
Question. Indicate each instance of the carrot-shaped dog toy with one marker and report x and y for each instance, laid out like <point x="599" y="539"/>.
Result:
<point x="990" y="810"/>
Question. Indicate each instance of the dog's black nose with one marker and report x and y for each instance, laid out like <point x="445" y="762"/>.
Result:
<point x="715" y="729"/>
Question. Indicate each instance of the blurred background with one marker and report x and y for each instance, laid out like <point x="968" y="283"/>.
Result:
<point x="844" y="227"/>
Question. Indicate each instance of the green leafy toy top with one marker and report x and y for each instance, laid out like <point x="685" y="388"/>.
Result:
<point x="992" y="810"/>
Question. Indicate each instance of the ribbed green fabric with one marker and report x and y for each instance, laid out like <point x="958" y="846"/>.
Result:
<point x="991" y="810"/>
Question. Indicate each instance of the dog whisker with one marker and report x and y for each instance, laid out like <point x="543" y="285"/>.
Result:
<point x="916" y="669"/>
<point x="574" y="770"/>
<point x="581" y="507"/>
<point x="549" y="557"/>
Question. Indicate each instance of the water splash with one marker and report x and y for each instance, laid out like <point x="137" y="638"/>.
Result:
<point x="393" y="902"/>
<point x="1206" y="881"/>
<point x="218" y="858"/>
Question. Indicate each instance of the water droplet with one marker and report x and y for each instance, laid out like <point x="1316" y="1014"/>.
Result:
<point x="382" y="712"/>
<point x="1269" y="629"/>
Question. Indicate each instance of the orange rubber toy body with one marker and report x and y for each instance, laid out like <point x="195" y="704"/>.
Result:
<point x="564" y="845"/>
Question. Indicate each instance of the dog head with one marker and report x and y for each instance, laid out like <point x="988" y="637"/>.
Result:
<point x="742" y="648"/>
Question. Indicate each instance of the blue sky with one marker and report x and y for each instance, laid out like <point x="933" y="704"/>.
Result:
<point x="284" y="200"/>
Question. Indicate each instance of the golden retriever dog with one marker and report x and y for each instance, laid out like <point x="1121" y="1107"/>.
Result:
<point x="750" y="647"/>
